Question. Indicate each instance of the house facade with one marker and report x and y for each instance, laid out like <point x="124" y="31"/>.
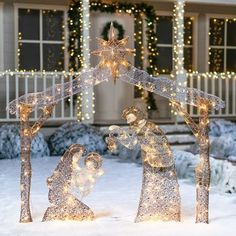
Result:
<point x="34" y="41"/>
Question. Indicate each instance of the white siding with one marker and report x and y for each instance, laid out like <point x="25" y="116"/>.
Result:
<point x="202" y="43"/>
<point x="1" y="56"/>
<point x="8" y="32"/>
<point x="1" y="37"/>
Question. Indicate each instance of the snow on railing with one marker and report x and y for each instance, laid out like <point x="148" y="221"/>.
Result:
<point x="15" y="84"/>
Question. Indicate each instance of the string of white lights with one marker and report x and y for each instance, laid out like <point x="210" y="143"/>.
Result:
<point x="85" y="100"/>
<point x="178" y="58"/>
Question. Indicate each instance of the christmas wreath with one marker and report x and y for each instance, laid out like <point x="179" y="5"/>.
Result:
<point x="117" y="26"/>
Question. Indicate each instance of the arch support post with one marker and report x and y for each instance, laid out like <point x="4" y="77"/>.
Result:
<point x="27" y="133"/>
<point x="202" y="170"/>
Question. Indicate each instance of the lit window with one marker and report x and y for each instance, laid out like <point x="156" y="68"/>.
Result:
<point x="222" y="45"/>
<point x="41" y="41"/>
<point x="164" y="31"/>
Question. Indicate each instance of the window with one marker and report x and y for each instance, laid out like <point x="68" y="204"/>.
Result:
<point x="40" y="38"/>
<point x="164" y="29"/>
<point x="222" y="44"/>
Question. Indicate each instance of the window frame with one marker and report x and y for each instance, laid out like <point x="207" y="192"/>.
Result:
<point x="224" y="47"/>
<point x="195" y="36"/>
<point x="40" y="7"/>
<point x="1" y="37"/>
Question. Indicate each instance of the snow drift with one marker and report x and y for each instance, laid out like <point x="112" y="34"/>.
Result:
<point x="10" y="143"/>
<point x="74" y="132"/>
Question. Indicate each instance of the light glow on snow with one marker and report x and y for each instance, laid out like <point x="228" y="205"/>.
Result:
<point x="114" y="201"/>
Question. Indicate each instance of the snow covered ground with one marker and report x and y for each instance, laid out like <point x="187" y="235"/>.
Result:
<point x="114" y="200"/>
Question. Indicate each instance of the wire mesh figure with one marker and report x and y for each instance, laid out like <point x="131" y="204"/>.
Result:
<point x="160" y="197"/>
<point x="63" y="204"/>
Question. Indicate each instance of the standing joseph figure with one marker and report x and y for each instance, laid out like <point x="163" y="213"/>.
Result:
<point x="160" y="198"/>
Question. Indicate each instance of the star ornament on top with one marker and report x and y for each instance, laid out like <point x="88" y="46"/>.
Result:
<point x="113" y="53"/>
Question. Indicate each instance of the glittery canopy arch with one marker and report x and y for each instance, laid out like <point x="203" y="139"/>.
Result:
<point x="160" y="85"/>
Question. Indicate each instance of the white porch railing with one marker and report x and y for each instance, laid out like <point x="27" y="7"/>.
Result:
<point x="15" y="84"/>
<point x="222" y="85"/>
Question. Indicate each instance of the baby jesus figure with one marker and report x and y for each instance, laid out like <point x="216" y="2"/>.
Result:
<point x="160" y="197"/>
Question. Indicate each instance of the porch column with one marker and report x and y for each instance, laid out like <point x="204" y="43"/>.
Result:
<point x="178" y="51"/>
<point x="88" y="94"/>
<point x="178" y="59"/>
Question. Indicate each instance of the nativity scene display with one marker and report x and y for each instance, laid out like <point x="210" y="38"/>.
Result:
<point x="160" y="197"/>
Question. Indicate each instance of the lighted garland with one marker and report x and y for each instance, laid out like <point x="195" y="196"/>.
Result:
<point x="119" y="27"/>
<point x="139" y="9"/>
